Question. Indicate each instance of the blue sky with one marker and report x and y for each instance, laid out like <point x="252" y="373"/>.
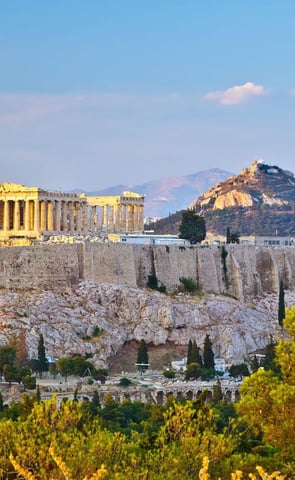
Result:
<point x="104" y="92"/>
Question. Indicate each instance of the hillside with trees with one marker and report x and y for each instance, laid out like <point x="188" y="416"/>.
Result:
<point x="181" y="440"/>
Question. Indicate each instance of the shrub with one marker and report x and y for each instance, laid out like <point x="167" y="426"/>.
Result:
<point x="189" y="284"/>
<point x="29" y="382"/>
<point x="169" y="373"/>
<point x="96" y="331"/>
<point x="125" y="382"/>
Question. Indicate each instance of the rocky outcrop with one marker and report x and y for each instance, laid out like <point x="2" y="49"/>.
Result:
<point x="68" y="319"/>
<point x="260" y="184"/>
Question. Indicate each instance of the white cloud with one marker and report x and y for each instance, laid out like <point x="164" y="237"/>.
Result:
<point x="237" y="94"/>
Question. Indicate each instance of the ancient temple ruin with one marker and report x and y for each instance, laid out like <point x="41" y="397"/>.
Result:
<point x="31" y="213"/>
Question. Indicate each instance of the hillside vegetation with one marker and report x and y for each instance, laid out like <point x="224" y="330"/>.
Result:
<point x="82" y="441"/>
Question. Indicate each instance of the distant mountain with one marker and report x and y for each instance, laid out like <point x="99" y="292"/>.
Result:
<point x="169" y="194"/>
<point x="260" y="200"/>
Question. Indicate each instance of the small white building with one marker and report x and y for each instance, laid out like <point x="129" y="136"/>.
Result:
<point x="147" y="239"/>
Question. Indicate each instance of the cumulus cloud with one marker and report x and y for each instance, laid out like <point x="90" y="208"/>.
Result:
<point x="236" y="94"/>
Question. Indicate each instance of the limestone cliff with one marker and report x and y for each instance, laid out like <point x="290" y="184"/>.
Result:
<point x="260" y="201"/>
<point x="66" y="317"/>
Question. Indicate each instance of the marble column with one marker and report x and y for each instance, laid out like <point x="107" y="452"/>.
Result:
<point x="27" y="215"/>
<point x="43" y="208"/>
<point x="36" y="216"/>
<point x="71" y="214"/>
<point x="141" y="218"/>
<point x="64" y="215"/>
<point x="78" y="210"/>
<point x="130" y="219"/>
<point x="57" y="215"/>
<point x="50" y="217"/>
<point x="16" y="216"/>
<point x="116" y="217"/>
<point x="123" y="227"/>
<point x="6" y="216"/>
<point x="84" y="217"/>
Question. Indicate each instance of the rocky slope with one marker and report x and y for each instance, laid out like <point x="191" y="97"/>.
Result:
<point x="260" y="200"/>
<point x="67" y="319"/>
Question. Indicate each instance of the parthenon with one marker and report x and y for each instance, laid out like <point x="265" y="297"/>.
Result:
<point x="35" y="214"/>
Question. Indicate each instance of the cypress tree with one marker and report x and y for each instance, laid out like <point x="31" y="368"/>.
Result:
<point x="281" y="312"/>
<point x="189" y="353"/>
<point x="195" y="353"/>
<point x="208" y="355"/>
<point x="142" y="356"/>
<point x="217" y="392"/>
<point x="42" y="360"/>
<point x="228" y="236"/>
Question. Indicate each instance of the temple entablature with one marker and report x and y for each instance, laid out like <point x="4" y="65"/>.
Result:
<point x="31" y="213"/>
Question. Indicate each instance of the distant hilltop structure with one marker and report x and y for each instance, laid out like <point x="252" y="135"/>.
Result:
<point x="28" y="214"/>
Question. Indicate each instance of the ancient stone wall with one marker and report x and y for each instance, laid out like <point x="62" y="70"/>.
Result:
<point x="249" y="272"/>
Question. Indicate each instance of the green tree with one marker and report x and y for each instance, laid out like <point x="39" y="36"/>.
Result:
<point x="228" y="238"/>
<point x="11" y="374"/>
<point x="254" y="364"/>
<point x="281" y="310"/>
<point x="193" y="371"/>
<point x="7" y="356"/>
<point x="239" y="370"/>
<point x="29" y="382"/>
<point x="208" y="355"/>
<point x="42" y="360"/>
<point x="192" y="227"/>
<point x="268" y="362"/>
<point x="189" y="352"/>
<point x="217" y="392"/>
<point x="268" y="401"/>
<point x="64" y="366"/>
<point x="195" y="355"/>
<point x="142" y="356"/>
<point x="18" y="343"/>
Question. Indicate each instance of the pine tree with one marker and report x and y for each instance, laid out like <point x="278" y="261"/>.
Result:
<point x="228" y="237"/>
<point x="42" y="360"/>
<point x="208" y="355"/>
<point x="142" y="356"/>
<point x="192" y="227"/>
<point x="281" y="312"/>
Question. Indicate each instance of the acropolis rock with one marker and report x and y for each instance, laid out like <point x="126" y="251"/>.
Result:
<point x="67" y="319"/>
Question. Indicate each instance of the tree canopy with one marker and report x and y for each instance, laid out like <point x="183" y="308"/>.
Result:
<point x="192" y="227"/>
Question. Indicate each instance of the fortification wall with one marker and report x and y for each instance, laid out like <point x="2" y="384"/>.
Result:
<point x="39" y="267"/>
<point x="248" y="271"/>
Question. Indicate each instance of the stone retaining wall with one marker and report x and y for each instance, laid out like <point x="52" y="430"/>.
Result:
<point x="250" y="271"/>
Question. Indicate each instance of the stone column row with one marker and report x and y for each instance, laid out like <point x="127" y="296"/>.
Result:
<point x="43" y="215"/>
<point x="127" y="218"/>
